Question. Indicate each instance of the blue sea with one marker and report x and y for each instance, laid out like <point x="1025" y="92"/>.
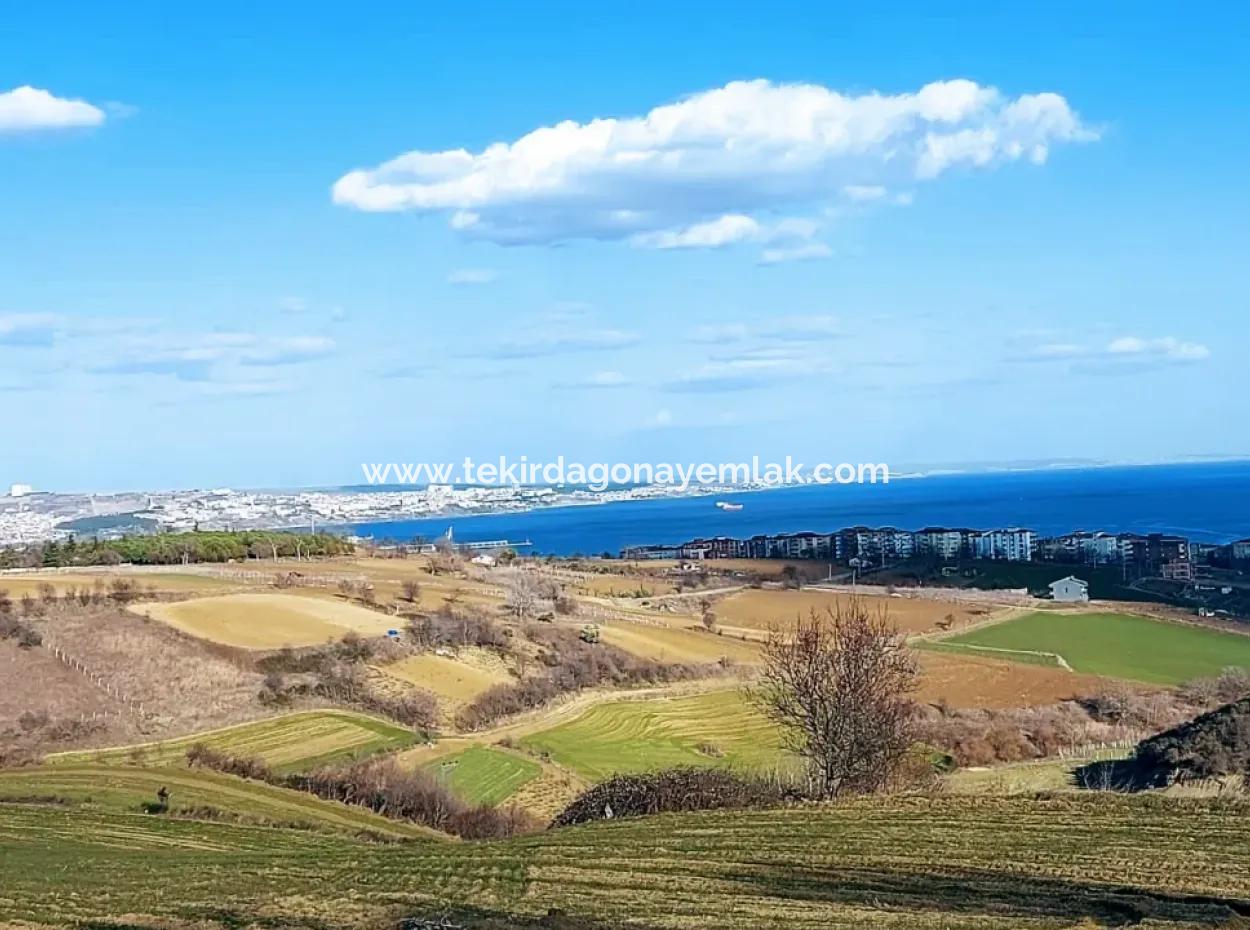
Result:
<point x="1207" y="502"/>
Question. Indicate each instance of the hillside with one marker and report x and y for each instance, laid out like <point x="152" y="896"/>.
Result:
<point x="899" y="863"/>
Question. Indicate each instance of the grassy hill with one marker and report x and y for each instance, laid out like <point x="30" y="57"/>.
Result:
<point x="485" y="776"/>
<point x="192" y="792"/>
<point x="717" y="728"/>
<point x="897" y="864"/>
<point x="291" y="743"/>
<point x="1112" y="645"/>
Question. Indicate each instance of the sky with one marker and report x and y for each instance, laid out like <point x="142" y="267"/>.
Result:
<point x="257" y="245"/>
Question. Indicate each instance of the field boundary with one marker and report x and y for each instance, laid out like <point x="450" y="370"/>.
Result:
<point x="961" y="647"/>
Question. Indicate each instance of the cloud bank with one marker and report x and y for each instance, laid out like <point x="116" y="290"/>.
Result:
<point x="719" y="167"/>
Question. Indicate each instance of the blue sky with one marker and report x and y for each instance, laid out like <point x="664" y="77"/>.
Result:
<point x="902" y="234"/>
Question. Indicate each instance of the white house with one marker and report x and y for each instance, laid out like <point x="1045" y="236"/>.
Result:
<point x="1070" y="590"/>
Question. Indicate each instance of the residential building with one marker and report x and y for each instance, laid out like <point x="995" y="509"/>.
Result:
<point x="1069" y="590"/>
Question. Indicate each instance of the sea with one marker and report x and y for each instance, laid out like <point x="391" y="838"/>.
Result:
<point x="1206" y="502"/>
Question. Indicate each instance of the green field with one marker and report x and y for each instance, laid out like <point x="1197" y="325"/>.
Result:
<point x="291" y="743"/>
<point x="194" y="792"/>
<point x="1113" y="645"/>
<point x="485" y="776"/>
<point x="889" y="864"/>
<point x="719" y="728"/>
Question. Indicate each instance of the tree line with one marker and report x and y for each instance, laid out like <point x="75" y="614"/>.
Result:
<point x="174" y="549"/>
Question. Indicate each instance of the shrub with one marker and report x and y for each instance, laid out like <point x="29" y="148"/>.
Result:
<point x="678" y="789"/>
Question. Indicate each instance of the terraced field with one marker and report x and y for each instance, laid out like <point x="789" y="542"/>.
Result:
<point x="291" y="743"/>
<point x="892" y="864"/>
<point x="1113" y="645"/>
<point x="267" y="621"/>
<point x="485" y="776"/>
<point x="717" y="728"/>
<point x="194" y="792"/>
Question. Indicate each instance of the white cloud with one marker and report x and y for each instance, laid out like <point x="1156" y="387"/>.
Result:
<point x="29" y="109"/>
<point x="472" y="276"/>
<point x="732" y="227"/>
<point x="820" y="326"/>
<point x="205" y="357"/>
<point x="714" y="167"/>
<point x="794" y="253"/>
<point x="600" y="379"/>
<point x="1120" y="354"/>
<point x="1167" y="347"/>
<point x="749" y="369"/>
<point x="557" y="343"/>
<point x="29" y="329"/>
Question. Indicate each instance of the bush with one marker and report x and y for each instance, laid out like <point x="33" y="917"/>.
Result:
<point x="672" y="790"/>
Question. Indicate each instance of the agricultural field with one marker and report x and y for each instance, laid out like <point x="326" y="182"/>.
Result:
<point x="716" y="728"/>
<point x="485" y="776"/>
<point x="1111" y="645"/>
<point x="194" y="792"/>
<point x="987" y="680"/>
<point x="946" y="863"/>
<point x="455" y="681"/>
<point x="18" y="584"/>
<point x="267" y="621"/>
<point x="763" y="608"/>
<point x="677" y="644"/>
<point x="291" y="743"/>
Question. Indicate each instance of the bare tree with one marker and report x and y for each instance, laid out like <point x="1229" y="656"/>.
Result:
<point x="707" y="616"/>
<point x="524" y="593"/>
<point x="837" y="684"/>
<point x="411" y="590"/>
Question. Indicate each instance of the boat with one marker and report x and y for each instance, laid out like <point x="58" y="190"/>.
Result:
<point x="726" y="505"/>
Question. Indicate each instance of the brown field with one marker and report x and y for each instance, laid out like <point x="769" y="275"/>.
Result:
<point x="971" y="681"/>
<point x="761" y="608"/>
<point x="30" y="583"/>
<point x="182" y="684"/>
<point x="267" y="621"/>
<point x="677" y="644"/>
<point x="454" y="680"/>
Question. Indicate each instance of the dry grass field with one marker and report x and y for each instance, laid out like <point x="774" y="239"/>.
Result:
<point x="267" y="621"/>
<point x="761" y="608"/>
<point x="18" y="584"/>
<point x="678" y="644"/>
<point x="181" y="683"/>
<point x="456" y="681"/>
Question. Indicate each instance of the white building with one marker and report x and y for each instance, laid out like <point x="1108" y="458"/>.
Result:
<point x="1011" y="545"/>
<point x="20" y="490"/>
<point x="1069" y="590"/>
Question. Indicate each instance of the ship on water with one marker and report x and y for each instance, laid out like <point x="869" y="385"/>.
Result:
<point x="727" y="505"/>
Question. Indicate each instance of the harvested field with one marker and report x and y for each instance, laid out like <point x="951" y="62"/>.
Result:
<point x="673" y="644"/>
<point x="454" y="680"/>
<point x="1113" y="645"/>
<point x="761" y="608"/>
<point x="717" y="728"/>
<point x="268" y="621"/>
<point x="886" y="864"/>
<point x="485" y="776"/>
<point x="290" y="743"/>
<point x="196" y="792"/>
<point x="978" y="681"/>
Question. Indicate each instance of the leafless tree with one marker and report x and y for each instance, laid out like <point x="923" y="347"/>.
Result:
<point x="838" y="686"/>
<point x="707" y="616"/>
<point x="524" y="594"/>
<point x="411" y="589"/>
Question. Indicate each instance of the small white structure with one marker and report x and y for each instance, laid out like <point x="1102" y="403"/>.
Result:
<point x="1069" y="590"/>
<point x="20" y="490"/>
<point x="483" y="559"/>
